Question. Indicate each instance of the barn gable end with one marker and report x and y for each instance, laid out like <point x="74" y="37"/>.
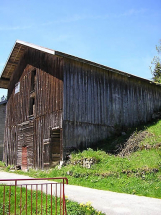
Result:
<point x="35" y="104"/>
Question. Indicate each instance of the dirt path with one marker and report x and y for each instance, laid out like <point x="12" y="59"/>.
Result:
<point x="110" y="203"/>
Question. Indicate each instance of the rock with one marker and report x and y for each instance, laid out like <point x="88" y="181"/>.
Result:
<point x="69" y="173"/>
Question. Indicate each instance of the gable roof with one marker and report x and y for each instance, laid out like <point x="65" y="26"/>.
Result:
<point x="20" y="47"/>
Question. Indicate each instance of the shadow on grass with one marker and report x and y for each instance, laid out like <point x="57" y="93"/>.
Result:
<point x="116" y="143"/>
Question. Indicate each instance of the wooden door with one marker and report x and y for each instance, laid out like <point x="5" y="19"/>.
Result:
<point x="24" y="158"/>
<point x="46" y="153"/>
<point x="25" y="150"/>
<point x="52" y="150"/>
<point x="55" y="145"/>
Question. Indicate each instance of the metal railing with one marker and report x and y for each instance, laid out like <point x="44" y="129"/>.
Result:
<point x="33" y="196"/>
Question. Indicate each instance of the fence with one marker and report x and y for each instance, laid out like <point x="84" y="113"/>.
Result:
<point x="33" y="196"/>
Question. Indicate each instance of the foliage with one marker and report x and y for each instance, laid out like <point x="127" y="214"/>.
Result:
<point x="156" y="71"/>
<point x="2" y="164"/>
<point x="74" y="208"/>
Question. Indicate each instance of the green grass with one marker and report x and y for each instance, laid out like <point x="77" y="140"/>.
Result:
<point x="73" y="208"/>
<point x="137" y="173"/>
<point x="21" y="200"/>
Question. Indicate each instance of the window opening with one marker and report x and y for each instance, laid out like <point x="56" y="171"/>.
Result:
<point x="17" y="87"/>
<point x="32" y="106"/>
<point x="33" y="80"/>
<point x="32" y="93"/>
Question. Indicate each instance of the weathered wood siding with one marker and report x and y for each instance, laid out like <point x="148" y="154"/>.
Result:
<point x="2" y="126"/>
<point x="86" y="102"/>
<point x="97" y="102"/>
<point x="48" y="106"/>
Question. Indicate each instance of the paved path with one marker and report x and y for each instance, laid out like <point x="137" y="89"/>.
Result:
<point x="110" y="203"/>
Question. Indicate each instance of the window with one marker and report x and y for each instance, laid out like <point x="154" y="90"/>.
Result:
<point x="33" y="80"/>
<point x="17" y="87"/>
<point x="32" y="106"/>
<point x="32" y="93"/>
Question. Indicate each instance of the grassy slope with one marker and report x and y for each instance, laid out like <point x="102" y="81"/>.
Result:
<point x="138" y="173"/>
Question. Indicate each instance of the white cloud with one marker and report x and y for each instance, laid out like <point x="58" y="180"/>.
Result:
<point x="75" y="18"/>
<point x="14" y="28"/>
<point x="131" y="12"/>
<point x="70" y="19"/>
<point x="134" y="12"/>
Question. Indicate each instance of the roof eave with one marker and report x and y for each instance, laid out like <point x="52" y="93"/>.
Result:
<point x="14" y="58"/>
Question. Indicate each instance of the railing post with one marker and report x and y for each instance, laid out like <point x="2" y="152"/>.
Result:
<point x="3" y="200"/>
<point x="63" y="197"/>
<point x="15" y="194"/>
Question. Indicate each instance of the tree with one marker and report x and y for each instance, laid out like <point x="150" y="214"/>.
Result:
<point x="156" y="62"/>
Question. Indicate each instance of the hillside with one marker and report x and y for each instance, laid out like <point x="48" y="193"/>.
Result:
<point x="129" y="163"/>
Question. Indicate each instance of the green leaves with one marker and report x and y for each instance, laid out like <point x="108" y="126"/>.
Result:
<point x="156" y="65"/>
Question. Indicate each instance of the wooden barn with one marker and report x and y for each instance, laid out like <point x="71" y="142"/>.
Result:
<point x="58" y="102"/>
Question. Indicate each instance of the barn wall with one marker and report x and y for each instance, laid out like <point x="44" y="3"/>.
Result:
<point x="48" y="107"/>
<point x="2" y="126"/>
<point x="97" y="102"/>
<point x="87" y="103"/>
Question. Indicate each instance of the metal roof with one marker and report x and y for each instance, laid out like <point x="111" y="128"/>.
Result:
<point x="20" y="47"/>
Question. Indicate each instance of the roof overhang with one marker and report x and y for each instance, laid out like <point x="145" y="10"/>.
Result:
<point x="14" y="58"/>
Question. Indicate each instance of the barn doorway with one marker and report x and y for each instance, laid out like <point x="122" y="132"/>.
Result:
<point x="55" y="146"/>
<point x="25" y="150"/>
<point x="52" y="153"/>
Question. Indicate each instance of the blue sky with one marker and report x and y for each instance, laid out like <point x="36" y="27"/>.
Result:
<point x="121" y="34"/>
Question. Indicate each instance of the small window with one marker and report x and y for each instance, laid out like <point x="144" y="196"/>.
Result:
<point x="33" y="80"/>
<point x="32" y="93"/>
<point x="17" y="87"/>
<point x="32" y="106"/>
